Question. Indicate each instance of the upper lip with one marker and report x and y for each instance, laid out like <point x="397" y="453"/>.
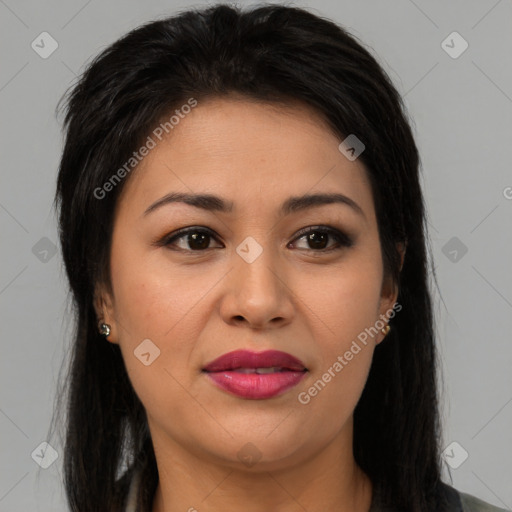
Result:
<point x="249" y="359"/>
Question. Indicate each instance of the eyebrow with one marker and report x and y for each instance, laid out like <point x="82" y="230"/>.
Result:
<point x="217" y="204"/>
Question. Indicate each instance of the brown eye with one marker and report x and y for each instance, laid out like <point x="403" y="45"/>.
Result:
<point x="192" y="239"/>
<point x="199" y="239"/>
<point x="317" y="238"/>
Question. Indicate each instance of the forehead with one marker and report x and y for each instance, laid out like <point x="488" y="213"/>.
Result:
<point x="243" y="150"/>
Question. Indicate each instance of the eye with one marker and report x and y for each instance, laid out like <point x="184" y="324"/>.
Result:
<point x="317" y="238"/>
<point x="197" y="239"/>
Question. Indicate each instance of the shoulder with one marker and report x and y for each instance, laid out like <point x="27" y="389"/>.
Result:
<point x="473" y="504"/>
<point x="447" y="499"/>
<point x="458" y="501"/>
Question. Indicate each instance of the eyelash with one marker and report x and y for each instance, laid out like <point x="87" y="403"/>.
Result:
<point x="342" y="240"/>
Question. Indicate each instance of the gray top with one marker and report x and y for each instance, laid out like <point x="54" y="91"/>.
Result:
<point x="472" y="504"/>
<point x="458" y="501"/>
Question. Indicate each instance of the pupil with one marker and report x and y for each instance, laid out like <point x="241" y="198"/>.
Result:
<point x="200" y="239"/>
<point x="318" y="240"/>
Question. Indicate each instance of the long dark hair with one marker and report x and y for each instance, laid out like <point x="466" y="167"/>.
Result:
<point x="276" y="54"/>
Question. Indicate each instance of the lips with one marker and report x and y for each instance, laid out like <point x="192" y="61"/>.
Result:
<point x="254" y="360"/>
<point x="255" y="375"/>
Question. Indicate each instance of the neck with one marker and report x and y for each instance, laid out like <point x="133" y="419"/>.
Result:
<point x="328" y="481"/>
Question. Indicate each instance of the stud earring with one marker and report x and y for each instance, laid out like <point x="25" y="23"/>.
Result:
<point x="104" y="329"/>
<point x="386" y="329"/>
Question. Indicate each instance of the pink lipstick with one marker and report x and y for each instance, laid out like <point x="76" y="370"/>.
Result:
<point x="256" y="375"/>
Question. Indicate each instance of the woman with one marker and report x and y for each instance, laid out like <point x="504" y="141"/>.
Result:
<point x="243" y="230"/>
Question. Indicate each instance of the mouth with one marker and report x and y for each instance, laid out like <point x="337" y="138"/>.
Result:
<point x="255" y="375"/>
<point x="260" y="371"/>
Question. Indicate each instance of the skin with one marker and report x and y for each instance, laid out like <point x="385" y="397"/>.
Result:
<point x="295" y="297"/>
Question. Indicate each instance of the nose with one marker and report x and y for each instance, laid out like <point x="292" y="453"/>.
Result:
<point x="258" y="293"/>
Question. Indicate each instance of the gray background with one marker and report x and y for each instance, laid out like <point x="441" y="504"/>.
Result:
<point x="462" y="113"/>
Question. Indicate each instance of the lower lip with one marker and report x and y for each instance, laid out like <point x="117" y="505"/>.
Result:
<point x="254" y="386"/>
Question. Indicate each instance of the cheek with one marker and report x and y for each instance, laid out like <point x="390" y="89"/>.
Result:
<point x="347" y="305"/>
<point x="344" y="301"/>
<point x="163" y="306"/>
<point x="343" y="307"/>
<point x="151" y="297"/>
<point x="158" y="317"/>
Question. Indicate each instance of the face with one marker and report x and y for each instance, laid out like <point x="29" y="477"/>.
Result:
<point x="261" y="274"/>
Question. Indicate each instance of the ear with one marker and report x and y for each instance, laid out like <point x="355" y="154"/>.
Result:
<point x="389" y="293"/>
<point x="104" y="308"/>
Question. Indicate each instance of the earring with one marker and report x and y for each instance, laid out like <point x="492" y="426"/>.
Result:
<point x="104" y="329"/>
<point x="386" y="329"/>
